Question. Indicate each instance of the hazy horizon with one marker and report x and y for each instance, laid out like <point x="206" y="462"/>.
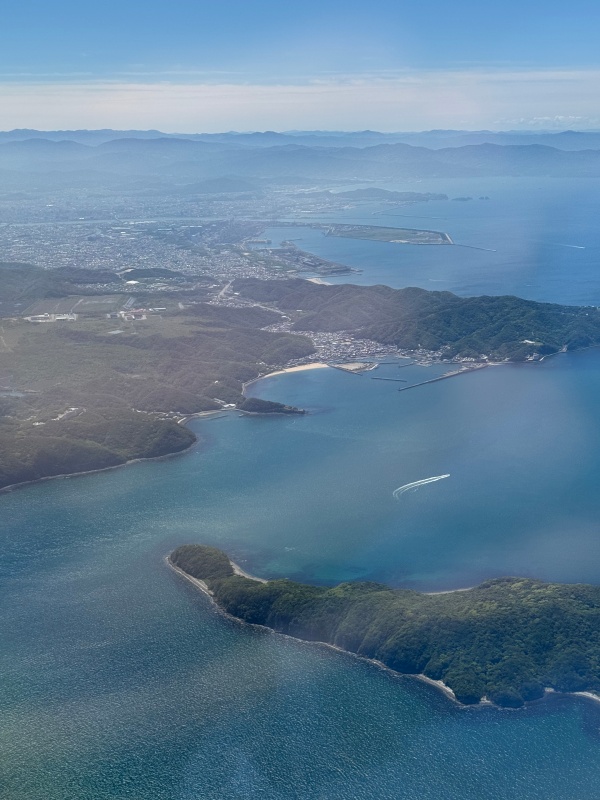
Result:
<point x="307" y="131"/>
<point x="334" y="65"/>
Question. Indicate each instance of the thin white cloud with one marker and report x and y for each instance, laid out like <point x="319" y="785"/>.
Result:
<point x="406" y="101"/>
<point x="558" y="122"/>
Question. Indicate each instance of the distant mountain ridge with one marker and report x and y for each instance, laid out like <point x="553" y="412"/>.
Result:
<point x="171" y="161"/>
<point x="434" y="139"/>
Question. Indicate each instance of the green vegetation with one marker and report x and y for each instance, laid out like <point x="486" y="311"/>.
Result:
<point x="506" y="639"/>
<point x="25" y="288"/>
<point x="501" y="328"/>
<point x="254" y="405"/>
<point x="99" y="392"/>
<point x="378" y="233"/>
<point x="204" y="563"/>
<point x="95" y="440"/>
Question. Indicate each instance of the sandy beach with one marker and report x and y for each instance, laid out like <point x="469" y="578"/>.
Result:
<point x="439" y="685"/>
<point x="195" y="581"/>
<point x="299" y="368"/>
<point x="199" y="584"/>
<point x="590" y="695"/>
<point x="243" y="574"/>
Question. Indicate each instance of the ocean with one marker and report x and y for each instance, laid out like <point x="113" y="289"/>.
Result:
<point x="122" y="682"/>
<point x="536" y="238"/>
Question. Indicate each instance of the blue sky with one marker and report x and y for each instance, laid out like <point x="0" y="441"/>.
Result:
<point x="392" y="65"/>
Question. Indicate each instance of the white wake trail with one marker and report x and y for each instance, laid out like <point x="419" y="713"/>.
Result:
<point x="416" y="484"/>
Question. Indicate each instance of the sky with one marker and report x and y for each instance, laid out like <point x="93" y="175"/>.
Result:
<point x="194" y="65"/>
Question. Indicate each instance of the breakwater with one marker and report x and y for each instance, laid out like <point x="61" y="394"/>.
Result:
<point x="443" y="377"/>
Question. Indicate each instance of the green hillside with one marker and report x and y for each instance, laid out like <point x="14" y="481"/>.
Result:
<point x="506" y="639"/>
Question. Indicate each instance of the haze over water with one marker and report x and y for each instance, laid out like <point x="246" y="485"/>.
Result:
<point x="122" y="682"/>
<point x="536" y="238"/>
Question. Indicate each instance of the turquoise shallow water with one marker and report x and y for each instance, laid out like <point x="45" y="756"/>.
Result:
<point x="121" y="681"/>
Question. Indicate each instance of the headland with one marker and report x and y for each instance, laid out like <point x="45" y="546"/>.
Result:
<point x="507" y="641"/>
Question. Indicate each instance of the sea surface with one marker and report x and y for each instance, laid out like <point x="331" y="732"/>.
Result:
<point x="537" y="238"/>
<point x="120" y="681"/>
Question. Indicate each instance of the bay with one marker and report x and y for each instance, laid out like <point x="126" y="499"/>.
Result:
<point x="121" y="681"/>
<point x="536" y="238"/>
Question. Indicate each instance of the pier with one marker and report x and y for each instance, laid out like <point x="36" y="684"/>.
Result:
<point x="443" y="377"/>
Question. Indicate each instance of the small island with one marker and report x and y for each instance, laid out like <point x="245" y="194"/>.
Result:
<point x="254" y="405"/>
<point x="93" y="377"/>
<point x="506" y="641"/>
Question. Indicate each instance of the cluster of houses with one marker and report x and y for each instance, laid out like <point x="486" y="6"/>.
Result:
<point x="130" y="314"/>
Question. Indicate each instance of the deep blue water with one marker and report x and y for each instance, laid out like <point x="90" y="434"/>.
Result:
<point x="121" y="682"/>
<point x="535" y="226"/>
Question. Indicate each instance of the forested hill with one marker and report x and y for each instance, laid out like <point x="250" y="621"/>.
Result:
<point x="98" y="391"/>
<point x="506" y="639"/>
<point x="469" y="327"/>
<point x="232" y="165"/>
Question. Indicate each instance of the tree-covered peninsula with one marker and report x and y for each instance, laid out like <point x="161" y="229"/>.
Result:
<point x="506" y="639"/>
<point x="254" y="405"/>
<point x="98" y="390"/>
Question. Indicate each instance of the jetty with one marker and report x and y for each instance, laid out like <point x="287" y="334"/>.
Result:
<point x="443" y="377"/>
<point x="355" y="367"/>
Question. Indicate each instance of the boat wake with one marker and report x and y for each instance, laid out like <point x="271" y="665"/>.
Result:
<point x="416" y="484"/>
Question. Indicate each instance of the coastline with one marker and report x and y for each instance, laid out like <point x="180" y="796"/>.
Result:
<point x="243" y="574"/>
<point x="194" y="581"/>
<point x="436" y="684"/>
<point x="208" y="414"/>
<point x="589" y="695"/>
<point x="201" y="586"/>
<point x="442" y="687"/>
<point x="183" y="421"/>
<point x="284" y="371"/>
<point x="202" y="414"/>
<point x="66" y="475"/>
